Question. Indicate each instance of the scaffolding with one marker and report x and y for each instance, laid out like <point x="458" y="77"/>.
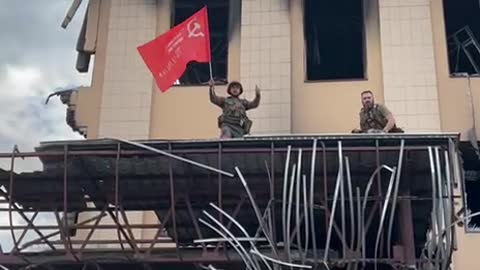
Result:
<point x="362" y="201"/>
<point x="464" y="41"/>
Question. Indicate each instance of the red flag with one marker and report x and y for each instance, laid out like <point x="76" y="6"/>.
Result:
<point x="167" y="56"/>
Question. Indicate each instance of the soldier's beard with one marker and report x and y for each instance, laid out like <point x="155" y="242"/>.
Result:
<point x="368" y="104"/>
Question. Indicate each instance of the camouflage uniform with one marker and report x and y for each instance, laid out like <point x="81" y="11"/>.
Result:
<point x="375" y="119"/>
<point x="233" y="122"/>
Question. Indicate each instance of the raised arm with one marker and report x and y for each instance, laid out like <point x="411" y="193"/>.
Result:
<point x="255" y="102"/>
<point x="213" y="97"/>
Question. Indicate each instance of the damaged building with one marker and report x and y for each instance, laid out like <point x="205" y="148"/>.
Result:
<point x="151" y="186"/>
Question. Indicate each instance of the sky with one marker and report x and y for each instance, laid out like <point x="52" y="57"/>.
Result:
<point x="37" y="57"/>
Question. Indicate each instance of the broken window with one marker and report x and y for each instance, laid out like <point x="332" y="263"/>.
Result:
<point x="218" y="20"/>
<point x="334" y="36"/>
<point x="472" y="193"/>
<point x="462" y="23"/>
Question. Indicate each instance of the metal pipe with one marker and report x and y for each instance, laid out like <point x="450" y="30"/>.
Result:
<point x="166" y="218"/>
<point x="194" y="220"/>
<point x="297" y="206"/>
<point x="129" y="230"/>
<point x="239" y="239"/>
<point x="234" y="214"/>
<point x="325" y="183"/>
<point x="452" y="225"/>
<point x="448" y="209"/>
<point x="256" y="210"/>
<point x="379" y="176"/>
<point x="384" y="212"/>
<point x="172" y="204"/>
<point x="278" y="261"/>
<point x="441" y="212"/>
<point x="32" y="219"/>
<point x="289" y="213"/>
<point x="117" y="190"/>
<point x="238" y="248"/>
<point x="335" y="197"/>
<point x="456" y="166"/>
<point x="242" y="229"/>
<point x="312" y="198"/>
<point x="434" y="199"/>
<point x="210" y="267"/>
<point x="10" y="201"/>
<point x="351" y="199"/>
<point x="37" y="241"/>
<point x="457" y="176"/>
<point x="305" y="215"/>
<point x="239" y="226"/>
<point x="55" y="227"/>
<point x="284" y="197"/>
<point x="113" y="241"/>
<point x="359" y="222"/>
<point x="342" y="208"/>
<point x="364" y="205"/>
<point x="272" y="217"/>
<point x="170" y="155"/>
<point x="65" y="203"/>
<point x="203" y="151"/>
<point x="438" y="246"/>
<point x="90" y="233"/>
<point x="463" y="219"/>
<point x="265" y="218"/>
<point x="220" y="187"/>
<point x="440" y="188"/>
<point x="233" y="242"/>
<point x="395" y="196"/>
<point x="62" y="232"/>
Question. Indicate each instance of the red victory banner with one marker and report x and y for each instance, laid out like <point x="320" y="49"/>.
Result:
<point x="167" y="56"/>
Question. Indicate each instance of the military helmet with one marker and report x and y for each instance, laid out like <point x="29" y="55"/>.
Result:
<point x="232" y="84"/>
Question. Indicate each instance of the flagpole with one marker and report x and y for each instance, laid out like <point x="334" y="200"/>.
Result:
<point x="211" y="73"/>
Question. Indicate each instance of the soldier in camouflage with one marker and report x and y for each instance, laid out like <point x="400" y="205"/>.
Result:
<point x="375" y="118"/>
<point x="234" y="122"/>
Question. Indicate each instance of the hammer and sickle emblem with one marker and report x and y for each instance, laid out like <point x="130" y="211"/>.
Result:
<point x="194" y="29"/>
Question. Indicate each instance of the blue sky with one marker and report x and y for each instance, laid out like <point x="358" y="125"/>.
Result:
<point x="37" y="56"/>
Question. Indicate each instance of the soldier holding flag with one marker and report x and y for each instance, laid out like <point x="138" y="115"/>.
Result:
<point x="234" y="122"/>
<point x="167" y="57"/>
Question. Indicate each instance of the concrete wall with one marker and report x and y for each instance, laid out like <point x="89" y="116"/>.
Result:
<point x="409" y="77"/>
<point x="265" y="60"/>
<point x="125" y="108"/>
<point x="87" y="101"/>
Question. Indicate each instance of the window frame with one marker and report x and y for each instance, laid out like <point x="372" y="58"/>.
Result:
<point x="364" y="50"/>
<point x="222" y="81"/>
<point x="451" y="72"/>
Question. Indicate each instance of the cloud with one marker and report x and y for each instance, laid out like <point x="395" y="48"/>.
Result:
<point x="38" y="56"/>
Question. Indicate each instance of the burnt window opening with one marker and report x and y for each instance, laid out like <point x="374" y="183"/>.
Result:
<point x="472" y="193"/>
<point x="218" y="20"/>
<point x="334" y="37"/>
<point x="462" y="24"/>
